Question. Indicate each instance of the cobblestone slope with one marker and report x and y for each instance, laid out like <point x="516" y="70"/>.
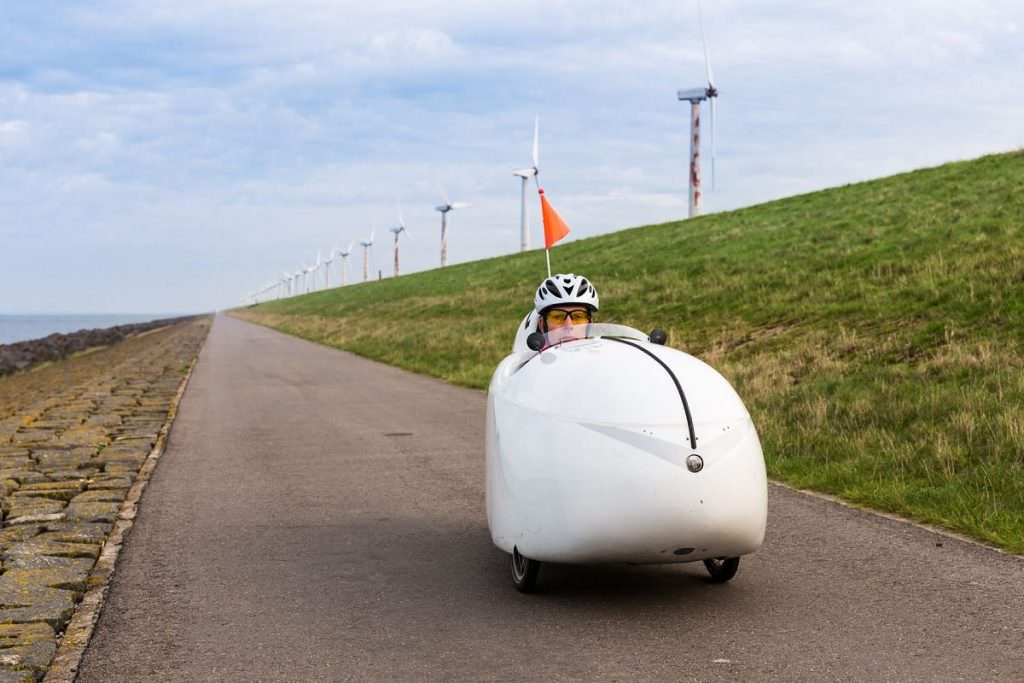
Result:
<point x="73" y="436"/>
<point x="25" y="354"/>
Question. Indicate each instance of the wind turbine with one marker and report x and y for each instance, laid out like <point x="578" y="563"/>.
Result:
<point x="367" y="245"/>
<point x="398" y="230"/>
<point x="695" y="96"/>
<point x="307" y="281"/>
<point x="526" y="174"/>
<point x="344" y="262"/>
<point x="444" y="209"/>
<point x="327" y="267"/>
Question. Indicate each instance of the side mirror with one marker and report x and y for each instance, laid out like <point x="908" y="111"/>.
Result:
<point x="536" y="341"/>
<point x="658" y="336"/>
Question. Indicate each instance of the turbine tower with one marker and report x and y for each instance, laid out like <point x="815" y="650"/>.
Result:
<point x="526" y="174"/>
<point x="444" y="209"/>
<point x="344" y="262"/>
<point x="327" y="267"/>
<point x="311" y="270"/>
<point x="695" y="96"/>
<point x="398" y="230"/>
<point x="367" y="245"/>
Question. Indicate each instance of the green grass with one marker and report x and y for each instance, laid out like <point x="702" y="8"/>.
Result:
<point x="874" y="330"/>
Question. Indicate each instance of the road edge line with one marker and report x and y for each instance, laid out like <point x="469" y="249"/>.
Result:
<point x="63" y="667"/>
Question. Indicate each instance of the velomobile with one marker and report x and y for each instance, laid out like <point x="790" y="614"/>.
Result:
<point x="603" y="445"/>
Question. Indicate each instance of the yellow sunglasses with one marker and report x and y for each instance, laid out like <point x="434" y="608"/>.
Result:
<point x="557" y="316"/>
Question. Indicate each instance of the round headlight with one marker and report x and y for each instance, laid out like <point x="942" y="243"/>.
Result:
<point x="694" y="463"/>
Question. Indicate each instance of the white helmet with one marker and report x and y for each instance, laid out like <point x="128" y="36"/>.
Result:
<point x="565" y="289"/>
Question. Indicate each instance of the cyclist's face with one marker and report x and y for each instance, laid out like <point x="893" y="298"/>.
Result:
<point x="561" y="325"/>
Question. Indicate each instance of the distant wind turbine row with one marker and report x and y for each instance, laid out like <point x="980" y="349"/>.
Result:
<point x="305" y="279"/>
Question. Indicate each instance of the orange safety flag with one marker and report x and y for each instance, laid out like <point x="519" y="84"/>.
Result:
<point x="554" y="227"/>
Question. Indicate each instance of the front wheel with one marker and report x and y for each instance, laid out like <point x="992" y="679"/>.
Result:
<point x="722" y="568"/>
<point x="524" y="572"/>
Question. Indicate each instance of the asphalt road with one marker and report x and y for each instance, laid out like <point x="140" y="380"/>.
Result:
<point x="319" y="517"/>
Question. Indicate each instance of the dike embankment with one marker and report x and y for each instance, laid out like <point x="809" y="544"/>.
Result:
<point x="78" y="438"/>
<point x="27" y="354"/>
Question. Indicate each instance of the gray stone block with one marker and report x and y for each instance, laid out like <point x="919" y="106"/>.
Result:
<point x="42" y="546"/>
<point x="23" y="475"/>
<point x="84" y="436"/>
<point x="56" y="490"/>
<point x="92" y="512"/>
<point x="64" y="578"/>
<point x="108" y="481"/>
<point x="111" y="495"/>
<point x="77" y="532"/>
<point x="84" y="473"/>
<point x="31" y="507"/>
<point x="55" y="614"/>
<point x="48" y="562"/>
<point x="15" y="675"/>
<point x="70" y="458"/>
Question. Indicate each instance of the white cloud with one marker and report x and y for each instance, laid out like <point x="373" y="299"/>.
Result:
<point x="416" y="43"/>
<point x="102" y="145"/>
<point x="13" y="133"/>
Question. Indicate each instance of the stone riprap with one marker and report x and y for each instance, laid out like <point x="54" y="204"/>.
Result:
<point x="73" y="436"/>
<point x="23" y="355"/>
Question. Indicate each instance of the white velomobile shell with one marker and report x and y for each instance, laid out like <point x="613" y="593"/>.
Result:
<point x="586" y="455"/>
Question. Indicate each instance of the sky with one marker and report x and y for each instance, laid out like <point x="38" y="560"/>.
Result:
<point x="171" y="157"/>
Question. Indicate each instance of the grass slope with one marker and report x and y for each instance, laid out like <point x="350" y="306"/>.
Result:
<point x="874" y="330"/>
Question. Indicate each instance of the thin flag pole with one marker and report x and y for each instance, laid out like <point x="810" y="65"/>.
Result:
<point x="547" y="249"/>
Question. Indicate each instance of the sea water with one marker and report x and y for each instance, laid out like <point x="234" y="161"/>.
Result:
<point x="15" y="328"/>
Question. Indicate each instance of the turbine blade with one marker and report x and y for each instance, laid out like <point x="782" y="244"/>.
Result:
<point x="460" y="205"/>
<point x="707" y="60"/>
<point x="350" y="245"/>
<point x="401" y="220"/>
<point x="444" y="195"/>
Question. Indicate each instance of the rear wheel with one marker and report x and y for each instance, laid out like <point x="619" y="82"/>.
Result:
<point x="524" y="572"/>
<point x="722" y="568"/>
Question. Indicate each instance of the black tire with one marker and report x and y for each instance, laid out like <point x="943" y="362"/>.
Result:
<point x="524" y="572"/>
<point x="722" y="569"/>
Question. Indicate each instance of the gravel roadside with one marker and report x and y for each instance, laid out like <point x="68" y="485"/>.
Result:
<point x="73" y="437"/>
